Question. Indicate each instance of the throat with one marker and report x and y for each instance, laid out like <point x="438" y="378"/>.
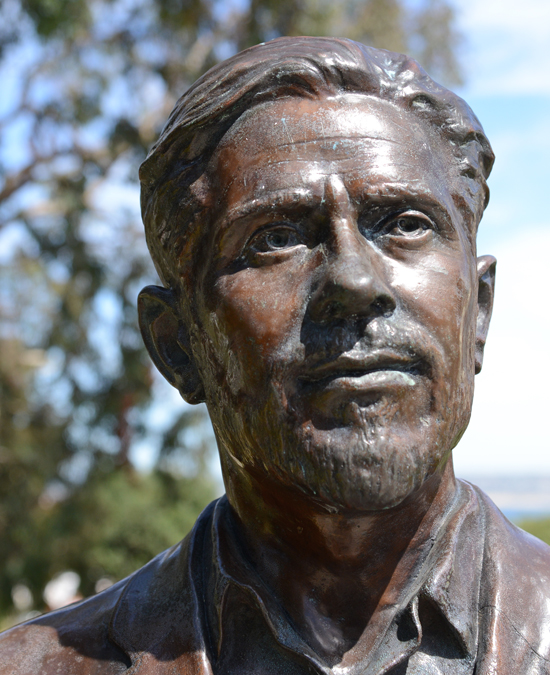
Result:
<point x="342" y="633"/>
<point x="340" y="578"/>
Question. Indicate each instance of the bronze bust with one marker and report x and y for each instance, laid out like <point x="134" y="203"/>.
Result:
<point x="312" y="208"/>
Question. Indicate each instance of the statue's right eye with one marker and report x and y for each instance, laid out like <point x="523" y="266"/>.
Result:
<point x="277" y="239"/>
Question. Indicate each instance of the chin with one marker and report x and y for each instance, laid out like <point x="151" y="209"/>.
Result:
<point x="372" y="461"/>
<point x="370" y="468"/>
<point x="379" y="460"/>
<point x="364" y="474"/>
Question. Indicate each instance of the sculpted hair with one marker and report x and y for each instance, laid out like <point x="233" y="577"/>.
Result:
<point x="171" y="201"/>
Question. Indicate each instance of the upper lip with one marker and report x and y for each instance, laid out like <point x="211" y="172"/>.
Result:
<point x="356" y="365"/>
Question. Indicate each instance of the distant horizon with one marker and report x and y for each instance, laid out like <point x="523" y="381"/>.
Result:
<point x="517" y="496"/>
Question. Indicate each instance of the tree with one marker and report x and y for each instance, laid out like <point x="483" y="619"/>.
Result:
<point x="87" y="87"/>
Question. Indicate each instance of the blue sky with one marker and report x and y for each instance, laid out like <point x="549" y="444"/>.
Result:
<point x="508" y="86"/>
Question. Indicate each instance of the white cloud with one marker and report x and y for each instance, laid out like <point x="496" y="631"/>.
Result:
<point x="508" y="45"/>
<point x="510" y="15"/>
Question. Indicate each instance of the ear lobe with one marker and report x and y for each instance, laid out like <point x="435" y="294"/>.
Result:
<point x="486" y="269"/>
<point x="167" y="341"/>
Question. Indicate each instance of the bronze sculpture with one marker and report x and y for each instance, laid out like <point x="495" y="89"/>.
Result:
<point x="312" y="207"/>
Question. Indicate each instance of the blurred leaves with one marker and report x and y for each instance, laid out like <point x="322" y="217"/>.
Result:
<point x="87" y="86"/>
<point x="425" y="30"/>
<point x="129" y="518"/>
<point x="57" y="17"/>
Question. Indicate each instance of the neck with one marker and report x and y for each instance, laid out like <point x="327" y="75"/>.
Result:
<point x="332" y="572"/>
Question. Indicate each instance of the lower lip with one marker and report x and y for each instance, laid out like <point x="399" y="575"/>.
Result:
<point x="370" y="380"/>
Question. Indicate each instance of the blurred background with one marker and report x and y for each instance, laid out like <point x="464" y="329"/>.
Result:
<point x="101" y="465"/>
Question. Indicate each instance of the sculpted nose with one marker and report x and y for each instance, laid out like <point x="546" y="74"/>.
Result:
<point x="351" y="283"/>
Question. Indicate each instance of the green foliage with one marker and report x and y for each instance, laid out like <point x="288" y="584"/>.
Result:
<point x="56" y="16"/>
<point x="425" y="31"/>
<point x="109" y="527"/>
<point x="539" y="527"/>
<point x="94" y="83"/>
<point x="129" y="518"/>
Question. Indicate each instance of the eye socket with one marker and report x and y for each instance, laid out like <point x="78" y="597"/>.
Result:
<point x="275" y="239"/>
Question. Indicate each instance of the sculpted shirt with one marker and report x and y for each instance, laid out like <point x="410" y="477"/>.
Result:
<point x="477" y="601"/>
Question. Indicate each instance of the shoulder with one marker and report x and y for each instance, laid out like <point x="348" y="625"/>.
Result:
<point x="107" y="633"/>
<point x="71" y="640"/>
<point x="511" y="554"/>
<point x="515" y="588"/>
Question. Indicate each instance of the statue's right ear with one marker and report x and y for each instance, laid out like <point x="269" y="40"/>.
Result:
<point x="167" y="341"/>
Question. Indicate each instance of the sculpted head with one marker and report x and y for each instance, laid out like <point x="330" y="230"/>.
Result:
<point x="312" y="207"/>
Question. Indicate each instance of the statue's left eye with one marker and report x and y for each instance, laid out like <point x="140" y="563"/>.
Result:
<point x="280" y="239"/>
<point x="276" y="240"/>
<point x="409" y="226"/>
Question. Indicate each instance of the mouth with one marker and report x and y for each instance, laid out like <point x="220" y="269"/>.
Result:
<point x="356" y="371"/>
<point x="372" y="381"/>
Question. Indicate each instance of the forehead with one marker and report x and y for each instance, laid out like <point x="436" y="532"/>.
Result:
<point x="296" y="144"/>
<point x="292" y="122"/>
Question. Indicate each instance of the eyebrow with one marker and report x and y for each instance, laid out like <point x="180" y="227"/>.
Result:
<point x="421" y="199"/>
<point x="277" y="199"/>
<point x="304" y="199"/>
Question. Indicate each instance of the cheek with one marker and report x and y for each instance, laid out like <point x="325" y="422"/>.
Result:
<point x="438" y="293"/>
<point x="260" y="310"/>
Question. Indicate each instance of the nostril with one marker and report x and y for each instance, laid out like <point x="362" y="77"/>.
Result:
<point x="383" y="307"/>
<point x="332" y="309"/>
<point x="335" y="309"/>
<point x="346" y="292"/>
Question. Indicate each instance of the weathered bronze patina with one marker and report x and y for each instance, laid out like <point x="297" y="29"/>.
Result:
<point x="312" y="208"/>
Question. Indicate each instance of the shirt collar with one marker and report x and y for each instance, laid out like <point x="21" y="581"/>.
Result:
<point x="453" y="581"/>
<point x="445" y="573"/>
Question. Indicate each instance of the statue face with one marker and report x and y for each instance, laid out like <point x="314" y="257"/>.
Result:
<point x="337" y="300"/>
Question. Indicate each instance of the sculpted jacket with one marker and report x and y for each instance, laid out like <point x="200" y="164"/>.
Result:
<point x="477" y="602"/>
